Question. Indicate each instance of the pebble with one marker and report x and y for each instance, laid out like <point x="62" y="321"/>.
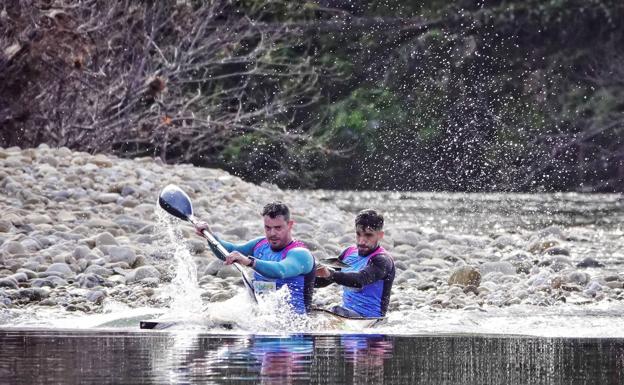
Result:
<point x="58" y="269"/>
<point x="13" y="247"/>
<point x="122" y="254"/>
<point x="89" y="280"/>
<point x="5" y="226"/>
<point x="105" y="239"/>
<point x="589" y="262"/>
<point x="96" y="296"/>
<point x="465" y="275"/>
<point x="8" y="282"/>
<point x="500" y="267"/>
<point x="142" y="273"/>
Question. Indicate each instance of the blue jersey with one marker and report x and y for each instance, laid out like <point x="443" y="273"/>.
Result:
<point x="369" y="299"/>
<point x="300" y="286"/>
<point x="292" y="266"/>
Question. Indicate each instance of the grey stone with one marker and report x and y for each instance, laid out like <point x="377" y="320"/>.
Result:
<point x="196" y="246"/>
<point x="81" y="252"/>
<point x="122" y="254"/>
<point x="503" y="241"/>
<point x="143" y="272"/>
<point x="139" y="261"/>
<point x="8" y="282"/>
<point x="48" y="302"/>
<point x="96" y="296"/>
<point x="82" y="264"/>
<point x="105" y="239"/>
<point x="589" y="262"/>
<point x="41" y="282"/>
<point x="130" y="224"/>
<point x="128" y="190"/>
<point x="312" y="245"/>
<point x="13" y="247"/>
<point x="59" y="269"/>
<point x="5" y="226"/>
<point x="128" y="202"/>
<point x="426" y="286"/>
<point x="19" y="277"/>
<point x="400" y="265"/>
<point x="305" y="228"/>
<point x="228" y="271"/>
<point x="107" y="197"/>
<point x="48" y="159"/>
<point x="425" y="254"/>
<point x="77" y="307"/>
<point x="57" y="281"/>
<point x="334" y="228"/>
<point x="551" y="231"/>
<point x="241" y="232"/>
<point x="501" y="267"/>
<point x="34" y="294"/>
<point x="38" y="219"/>
<point x="410" y="238"/>
<point x="146" y="230"/>
<point x="557" y="250"/>
<point x="33" y="265"/>
<point x="29" y="273"/>
<point x="409" y="274"/>
<point x="150" y="282"/>
<point x="578" y="278"/>
<point x="99" y="270"/>
<point x="31" y="245"/>
<point x="213" y="267"/>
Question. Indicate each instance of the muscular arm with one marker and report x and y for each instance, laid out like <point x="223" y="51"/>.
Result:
<point x="243" y="248"/>
<point x="378" y="269"/>
<point x="298" y="261"/>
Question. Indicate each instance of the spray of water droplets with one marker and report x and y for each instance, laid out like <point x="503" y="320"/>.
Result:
<point x="184" y="289"/>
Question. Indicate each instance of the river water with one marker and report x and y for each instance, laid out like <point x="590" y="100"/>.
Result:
<point x="499" y="337"/>
<point x="70" y="357"/>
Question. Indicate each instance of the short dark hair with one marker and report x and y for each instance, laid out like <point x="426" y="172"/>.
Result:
<point x="369" y="219"/>
<point x="276" y="208"/>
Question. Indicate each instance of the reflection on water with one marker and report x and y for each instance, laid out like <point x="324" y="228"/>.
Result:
<point x="36" y="357"/>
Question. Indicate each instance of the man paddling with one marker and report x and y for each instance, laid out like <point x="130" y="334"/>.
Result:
<point x="276" y="259"/>
<point x="367" y="279"/>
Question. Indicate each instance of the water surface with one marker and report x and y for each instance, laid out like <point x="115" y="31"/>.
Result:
<point x="105" y="357"/>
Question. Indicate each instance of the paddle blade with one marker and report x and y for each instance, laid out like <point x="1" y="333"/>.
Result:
<point x="175" y="201"/>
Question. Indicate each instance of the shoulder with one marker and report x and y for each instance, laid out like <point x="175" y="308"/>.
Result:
<point x="382" y="259"/>
<point x="299" y="252"/>
<point x="258" y="241"/>
<point x="348" y="251"/>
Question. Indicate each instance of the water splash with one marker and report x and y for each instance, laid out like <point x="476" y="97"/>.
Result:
<point x="184" y="289"/>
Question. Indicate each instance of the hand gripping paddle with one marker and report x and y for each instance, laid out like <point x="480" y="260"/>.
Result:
<point x="175" y="201"/>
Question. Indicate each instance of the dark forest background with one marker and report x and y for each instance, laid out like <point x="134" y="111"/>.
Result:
<point x="413" y="95"/>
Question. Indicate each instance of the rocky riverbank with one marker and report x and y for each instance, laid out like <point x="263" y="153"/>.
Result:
<point x="78" y="230"/>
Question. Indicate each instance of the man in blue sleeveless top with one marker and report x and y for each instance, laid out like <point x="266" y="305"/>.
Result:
<point x="276" y="259"/>
<point x="367" y="280"/>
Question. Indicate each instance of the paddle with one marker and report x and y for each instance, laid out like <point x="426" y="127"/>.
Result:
<point x="175" y="201"/>
<point x="334" y="262"/>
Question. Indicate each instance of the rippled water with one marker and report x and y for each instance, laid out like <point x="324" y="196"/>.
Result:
<point x="64" y="357"/>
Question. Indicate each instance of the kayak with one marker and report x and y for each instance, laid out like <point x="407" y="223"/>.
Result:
<point x="327" y="318"/>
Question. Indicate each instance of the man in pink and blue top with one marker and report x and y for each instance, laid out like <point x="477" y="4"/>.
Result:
<point x="367" y="281"/>
<point x="277" y="259"/>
